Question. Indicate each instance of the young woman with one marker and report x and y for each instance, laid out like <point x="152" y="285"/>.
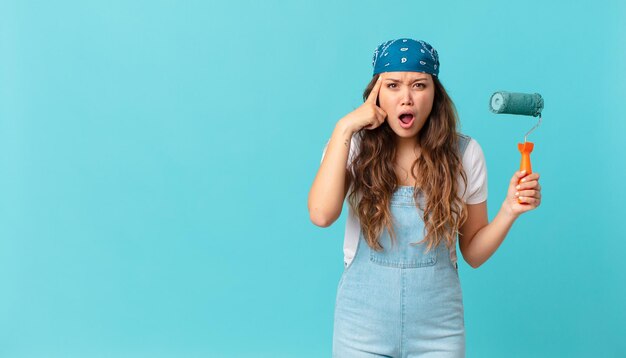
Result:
<point x="414" y="184"/>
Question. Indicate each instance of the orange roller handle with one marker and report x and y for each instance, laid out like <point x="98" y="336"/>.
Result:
<point x="525" y="149"/>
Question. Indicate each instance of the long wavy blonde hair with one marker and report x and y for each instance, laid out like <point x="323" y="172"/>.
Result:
<point x="438" y="167"/>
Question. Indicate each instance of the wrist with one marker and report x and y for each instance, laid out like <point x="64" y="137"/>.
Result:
<point x="508" y="212"/>
<point x="344" y="127"/>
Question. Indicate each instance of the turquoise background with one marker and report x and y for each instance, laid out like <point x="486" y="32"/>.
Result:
<point x="156" y="157"/>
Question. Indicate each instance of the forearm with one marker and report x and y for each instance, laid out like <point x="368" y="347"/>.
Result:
<point x="487" y="240"/>
<point x="327" y="192"/>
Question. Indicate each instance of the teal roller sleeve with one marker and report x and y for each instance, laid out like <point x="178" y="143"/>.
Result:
<point x="528" y="104"/>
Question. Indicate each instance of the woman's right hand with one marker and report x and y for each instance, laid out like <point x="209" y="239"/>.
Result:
<point x="368" y="115"/>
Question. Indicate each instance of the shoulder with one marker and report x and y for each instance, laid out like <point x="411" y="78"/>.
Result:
<point x="471" y="149"/>
<point x="475" y="168"/>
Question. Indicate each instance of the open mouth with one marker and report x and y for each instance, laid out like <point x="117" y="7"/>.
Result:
<point x="406" y="119"/>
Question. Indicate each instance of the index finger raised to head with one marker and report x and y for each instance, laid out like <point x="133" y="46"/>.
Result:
<point x="374" y="94"/>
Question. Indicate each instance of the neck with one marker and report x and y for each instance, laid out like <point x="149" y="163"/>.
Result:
<point x="407" y="146"/>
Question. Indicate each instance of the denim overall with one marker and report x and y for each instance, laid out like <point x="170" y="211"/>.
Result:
<point x="402" y="301"/>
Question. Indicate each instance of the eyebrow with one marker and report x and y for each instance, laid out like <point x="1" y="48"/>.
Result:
<point x="395" y="80"/>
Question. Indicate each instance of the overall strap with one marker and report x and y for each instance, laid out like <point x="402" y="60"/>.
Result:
<point x="463" y="142"/>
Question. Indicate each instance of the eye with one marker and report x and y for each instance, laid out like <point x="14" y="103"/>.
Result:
<point x="420" y="85"/>
<point x="391" y="85"/>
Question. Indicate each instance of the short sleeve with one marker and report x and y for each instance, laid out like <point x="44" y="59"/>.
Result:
<point x="476" y="171"/>
<point x="324" y="152"/>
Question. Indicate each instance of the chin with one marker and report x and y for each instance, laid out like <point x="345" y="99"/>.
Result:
<point x="405" y="134"/>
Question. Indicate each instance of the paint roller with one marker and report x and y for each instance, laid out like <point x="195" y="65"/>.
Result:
<point x="526" y="104"/>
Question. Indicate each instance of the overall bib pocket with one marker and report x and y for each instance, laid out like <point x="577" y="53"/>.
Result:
<point x="409" y="256"/>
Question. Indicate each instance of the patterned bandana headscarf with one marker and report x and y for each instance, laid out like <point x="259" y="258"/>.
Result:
<point x="406" y="55"/>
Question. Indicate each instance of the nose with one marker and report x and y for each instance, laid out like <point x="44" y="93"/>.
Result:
<point x="406" y="97"/>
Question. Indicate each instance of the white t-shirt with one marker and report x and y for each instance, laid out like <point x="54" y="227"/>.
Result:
<point x="475" y="169"/>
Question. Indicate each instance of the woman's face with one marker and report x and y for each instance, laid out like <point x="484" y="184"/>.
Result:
<point x="407" y="98"/>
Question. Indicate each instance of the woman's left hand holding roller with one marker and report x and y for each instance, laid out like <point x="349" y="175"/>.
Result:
<point x="524" y="193"/>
